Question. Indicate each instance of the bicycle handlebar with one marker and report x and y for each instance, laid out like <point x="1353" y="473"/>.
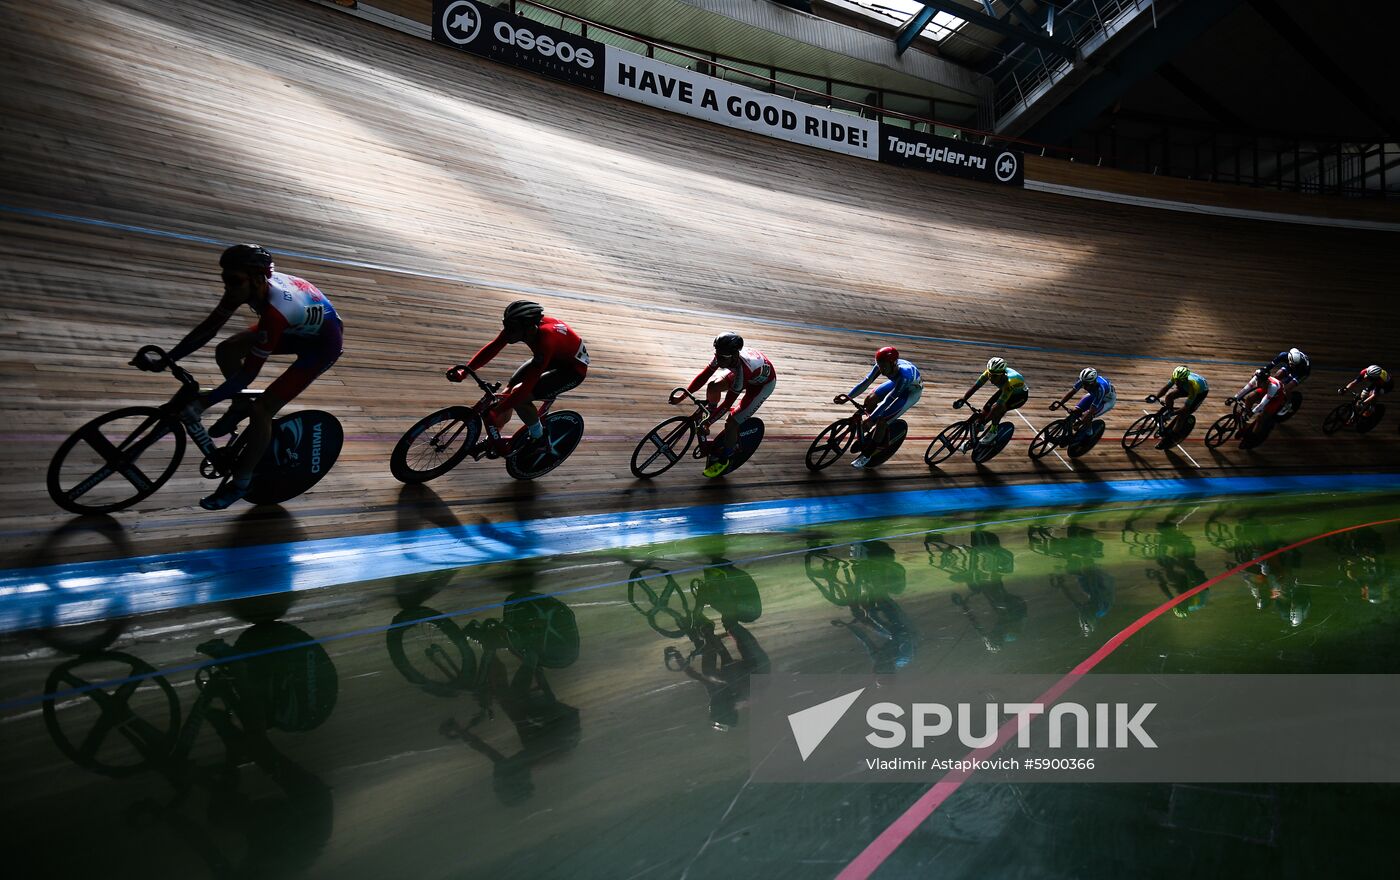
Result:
<point x="685" y="392"/>
<point x="468" y="371"/>
<point x="181" y="375"/>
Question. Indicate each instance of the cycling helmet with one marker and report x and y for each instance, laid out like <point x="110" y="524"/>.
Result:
<point x="522" y="313"/>
<point x="1088" y="376"/>
<point x="242" y="257"/>
<point x="1296" y="358"/>
<point x="887" y="355"/>
<point x="996" y="365"/>
<point x="728" y="342"/>
<point x="1374" y="371"/>
<point x="1181" y="374"/>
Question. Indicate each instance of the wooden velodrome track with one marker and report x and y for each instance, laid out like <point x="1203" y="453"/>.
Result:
<point x="293" y="125"/>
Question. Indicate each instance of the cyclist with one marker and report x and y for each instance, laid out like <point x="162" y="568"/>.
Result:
<point x="1183" y="383"/>
<point x="558" y="363"/>
<point x="1290" y="367"/>
<point x="1012" y="393"/>
<point x="1373" y="381"/>
<point x="293" y="318"/>
<point x="747" y="370"/>
<point x="901" y="390"/>
<point x="1099" y="397"/>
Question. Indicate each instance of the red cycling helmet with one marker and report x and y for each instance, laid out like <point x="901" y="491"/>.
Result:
<point x="887" y="355"/>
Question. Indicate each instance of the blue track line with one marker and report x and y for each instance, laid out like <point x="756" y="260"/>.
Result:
<point x="653" y="307"/>
<point x="100" y="590"/>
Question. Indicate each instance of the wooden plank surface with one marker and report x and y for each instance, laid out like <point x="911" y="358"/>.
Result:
<point x="464" y="183"/>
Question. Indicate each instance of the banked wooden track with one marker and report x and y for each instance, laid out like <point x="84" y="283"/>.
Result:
<point x="287" y="123"/>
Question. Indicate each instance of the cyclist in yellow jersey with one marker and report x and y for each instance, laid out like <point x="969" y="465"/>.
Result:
<point x="1012" y="393"/>
<point x="1183" y="383"/>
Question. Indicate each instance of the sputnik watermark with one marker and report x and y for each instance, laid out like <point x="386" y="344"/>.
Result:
<point x="1102" y="728"/>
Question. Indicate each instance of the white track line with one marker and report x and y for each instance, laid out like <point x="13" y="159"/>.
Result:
<point x="1034" y="431"/>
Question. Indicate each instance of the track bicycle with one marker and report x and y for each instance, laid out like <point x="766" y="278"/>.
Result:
<point x="666" y="444"/>
<point x="438" y="442"/>
<point x="1062" y="434"/>
<point x="1354" y="415"/>
<point x="1168" y="425"/>
<point x="123" y="457"/>
<point x="968" y="436"/>
<point x="854" y="430"/>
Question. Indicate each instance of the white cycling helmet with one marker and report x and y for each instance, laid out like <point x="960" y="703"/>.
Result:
<point x="1374" y="371"/>
<point x="1296" y="358"/>
<point x="996" y="365"/>
<point x="1088" y="376"/>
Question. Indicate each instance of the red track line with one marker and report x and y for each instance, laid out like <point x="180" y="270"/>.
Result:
<point x="880" y="849"/>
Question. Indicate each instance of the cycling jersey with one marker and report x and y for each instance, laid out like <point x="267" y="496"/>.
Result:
<point x="555" y="347"/>
<point x="906" y="376"/>
<point x="294" y="307"/>
<point x="1298" y="373"/>
<point x="754" y="371"/>
<point x="1193" y="386"/>
<point x="1383" y="383"/>
<point x="1014" y="381"/>
<point x="1097" y="391"/>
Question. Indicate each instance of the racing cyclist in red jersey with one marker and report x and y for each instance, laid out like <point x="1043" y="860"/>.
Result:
<point x="1374" y="381"/>
<point x="558" y="363"/>
<point x="293" y="318"/>
<point x="747" y="370"/>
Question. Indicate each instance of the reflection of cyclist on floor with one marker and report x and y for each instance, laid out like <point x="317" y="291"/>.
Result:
<point x="865" y="579"/>
<point x="980" y="564"/>
<point x="1080" y="550"/>
<point x="1171" y="548"/>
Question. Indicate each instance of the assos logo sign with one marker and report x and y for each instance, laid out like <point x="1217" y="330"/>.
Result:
<point x="923" y="725"/>
<point x="462" y="22"/>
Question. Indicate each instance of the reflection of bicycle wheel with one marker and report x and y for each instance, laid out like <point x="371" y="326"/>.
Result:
<point x="898" y="430"/>
<point x="656" y="605"/>
<point x="543" y="630"/>
<point x="95" y="470"/>
<point x="1140" y="431"/>
<point x="435" y="445"/>
<point x="1048" y="438"/>
<point x="1224" y="429"/>
<point x="662" y="447"/>
<point x="430" y="651"/>
<point x="125" y="729"/>
<point x="828" y="446"/>
<point x="562" y="432"/>
<point x="945" y="444"/>
<point x="287" y="676"/>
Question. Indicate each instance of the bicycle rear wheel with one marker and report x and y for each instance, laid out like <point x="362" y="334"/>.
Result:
<point x="828" y="446"/>
<point x="1140" y="431"/>
<point x="79" y="476"/>
<point x="435" y="445"/>
<point x="894" y="438"/>
<point x="563" y="430"/>
<point x="1369" y="420"/>
<point x="662" y="447"/>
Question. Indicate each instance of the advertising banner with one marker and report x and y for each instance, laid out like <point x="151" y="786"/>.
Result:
<point x="913" y="149"/>
<point x="510" y="39"/>
<point x="655" y="83"/>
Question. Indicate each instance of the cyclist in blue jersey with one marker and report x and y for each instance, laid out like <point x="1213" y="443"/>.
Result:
<point x="891" y="399"/>
<point x="1099" y="397"/>
<point x="1289" y="367"/>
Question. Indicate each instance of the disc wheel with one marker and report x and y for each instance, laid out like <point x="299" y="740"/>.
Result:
<point x="1140" y="431"/>
<point x="1256" y="434"/>
<point x="828" y="446"/>
<point x="750" y="436"/>
<point x="1172" y="438"/>
<point x="948" y="441"/>
<point x="534" y="458"/>
<point x="95" y="470"/>
<point x="1336" y="419"/>
<point x="1096" y="429"/>
<point x="663" y="447"/>
<point x="435" y="445"/>
<point x="1370" y="419"/>
<point x="1047" y="438"/>
<point x="894" y="438"/>
<point x="987" y="451"/>
<point x="1295" y="400"/>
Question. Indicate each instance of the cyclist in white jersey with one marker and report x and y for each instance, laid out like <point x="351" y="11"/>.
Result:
<point x="293" y="318"/>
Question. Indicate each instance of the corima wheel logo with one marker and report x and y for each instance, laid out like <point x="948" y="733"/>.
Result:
<point x="461" y="22"/>
<point x="1006" y="166"/>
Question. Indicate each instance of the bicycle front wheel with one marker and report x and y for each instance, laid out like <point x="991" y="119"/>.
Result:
<point x="830" y="445"/>
<point x="1047" y="438"/>
<point x="1140" y="431"/>
<point x="1224" y="428"/>
<point x="435" y="445"/>
<point x="1336" y="419"/>
<point x="96" y="469"/>
<point x="662" y="447"/>
<point x="948" y="441"/>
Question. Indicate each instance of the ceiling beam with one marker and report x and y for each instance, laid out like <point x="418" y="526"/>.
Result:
<point x="1036" y="38"/>
<point x="1199" y="96"/>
